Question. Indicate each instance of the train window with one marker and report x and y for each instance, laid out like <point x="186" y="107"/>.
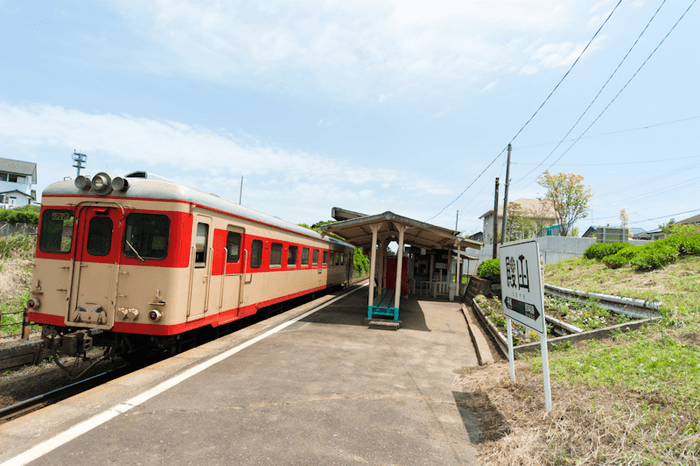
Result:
<point x="342" y="259"/>
<point x="325" y="257"/>
<point x="56" y="231"/>
<point x="314" y="263"/>
<point x="233" y="246"/>
<point x="305" y="256"/>
<point x="99" y="239"/>
<point x="147" y="236"/>
<point x="337" y="258"/>
<point x="276" y="255"/>
<point x="256" y="254"/>
<point x="200" y="245"/>
<point x="292" y="256"/>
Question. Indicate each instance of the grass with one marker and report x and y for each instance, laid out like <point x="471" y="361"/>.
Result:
<point x="631" y="399"/>
<point x="16" y="257"/>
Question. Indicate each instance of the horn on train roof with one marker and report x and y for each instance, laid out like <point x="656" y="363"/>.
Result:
<point x="148" y="176"/>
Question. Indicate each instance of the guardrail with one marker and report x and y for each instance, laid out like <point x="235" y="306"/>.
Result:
<point x="644" y="311"/>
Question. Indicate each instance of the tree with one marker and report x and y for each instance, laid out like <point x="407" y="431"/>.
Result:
<point x="569" y="198"/>
<point x="519" y="225"/>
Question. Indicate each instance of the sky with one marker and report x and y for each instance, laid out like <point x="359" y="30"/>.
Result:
<point x="370" y="106"/>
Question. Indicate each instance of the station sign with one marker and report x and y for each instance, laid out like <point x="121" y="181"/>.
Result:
<point x="521" y="284"/>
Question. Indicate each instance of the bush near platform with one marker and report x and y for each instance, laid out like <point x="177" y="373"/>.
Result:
<point x="24" y="214"/>
<point x="490" y="270"/>
<point x="598" y="251"/>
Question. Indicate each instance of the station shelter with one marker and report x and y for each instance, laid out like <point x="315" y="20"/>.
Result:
<point x="428" y="257"/>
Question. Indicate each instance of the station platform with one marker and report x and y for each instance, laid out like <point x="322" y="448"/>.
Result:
<point x="313" y="385"/>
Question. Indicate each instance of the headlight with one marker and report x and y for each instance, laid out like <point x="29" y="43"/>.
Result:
<point x="102" y="184"/>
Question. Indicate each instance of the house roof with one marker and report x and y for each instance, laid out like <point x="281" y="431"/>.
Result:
<point x="534" y="207"/>
<point x="693" y="219"/>
<point x="18" y="167"/>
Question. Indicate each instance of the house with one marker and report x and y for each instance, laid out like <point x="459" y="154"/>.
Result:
<point x="540" y="212"/>
<point x="16" y="180"/>
<point x="633" y="232"/>
<point x="658" y="233"/>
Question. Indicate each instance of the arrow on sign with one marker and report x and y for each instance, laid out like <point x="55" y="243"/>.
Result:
<point x="526" y="309"/>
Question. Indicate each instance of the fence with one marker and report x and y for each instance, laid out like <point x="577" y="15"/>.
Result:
<point x="19" y="327"/>
<point x="7" y="229"/>
<point x="15" y="324"/>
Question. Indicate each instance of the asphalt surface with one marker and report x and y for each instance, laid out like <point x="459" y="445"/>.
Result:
<point x="322" y="390"/>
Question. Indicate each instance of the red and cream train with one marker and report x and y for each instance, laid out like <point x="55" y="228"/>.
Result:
<point x="146" y="260"/>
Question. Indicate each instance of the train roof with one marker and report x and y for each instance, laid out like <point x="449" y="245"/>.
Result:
<point x="144" y="185"/>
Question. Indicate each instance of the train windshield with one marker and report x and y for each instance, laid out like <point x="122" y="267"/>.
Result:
<point x="56" y="231"/>
<point x="147" y="236"/>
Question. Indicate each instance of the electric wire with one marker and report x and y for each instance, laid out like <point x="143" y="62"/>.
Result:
<point x="608" y="134"/>
<point x="634" y="44"/>
<point x="536" y="111"/>
<point x="626" y="84"/>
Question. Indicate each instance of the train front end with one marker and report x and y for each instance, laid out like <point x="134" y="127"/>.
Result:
<point x="105" y="266"/>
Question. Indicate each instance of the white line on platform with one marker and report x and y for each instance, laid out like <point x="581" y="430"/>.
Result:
<point x="95" y="421"/>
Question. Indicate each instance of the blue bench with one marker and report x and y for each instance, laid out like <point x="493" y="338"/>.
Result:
<point x="385" y="306"/>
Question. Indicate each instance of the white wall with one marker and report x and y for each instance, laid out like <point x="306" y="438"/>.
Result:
<point x="552" y="248"/>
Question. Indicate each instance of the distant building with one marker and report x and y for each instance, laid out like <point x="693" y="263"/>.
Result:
<point x="16" y="181"/>
<point x="633" y="232"/>
<point x="540" y="212"/>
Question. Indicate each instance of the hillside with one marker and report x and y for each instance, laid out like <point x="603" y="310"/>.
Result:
<point x="632" y="399"/>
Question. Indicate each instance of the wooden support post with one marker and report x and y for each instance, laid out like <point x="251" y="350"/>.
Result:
<point x="399" y="265"/>
<point x="25" y="325"/>
<point x="372" y="263"/>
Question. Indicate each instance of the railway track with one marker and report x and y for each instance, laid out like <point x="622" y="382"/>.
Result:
<point x="53" y="396"/>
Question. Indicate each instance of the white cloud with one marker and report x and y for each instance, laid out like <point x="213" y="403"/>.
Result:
<point x="377" y="49"/>
<point x="287" y="182"/>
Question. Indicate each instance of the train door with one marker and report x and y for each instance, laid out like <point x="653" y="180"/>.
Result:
<point x="201" y="258"/>
<point x="96" y="270"/>
<point x="228" y="297"/>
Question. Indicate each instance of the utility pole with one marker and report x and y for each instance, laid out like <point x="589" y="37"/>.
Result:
<point x="457" y="222"/>
<point x="80" y="161"/>
<point x="240" y="194"/>
<point x="505" y="199"/>
<point x="495" y="222"/>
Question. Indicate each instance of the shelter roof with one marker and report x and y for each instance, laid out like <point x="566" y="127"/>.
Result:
<point x="355" y="228"/>
<point x="18" y="167"/>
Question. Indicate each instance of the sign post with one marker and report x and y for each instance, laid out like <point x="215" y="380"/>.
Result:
<point x="523" y="300"/>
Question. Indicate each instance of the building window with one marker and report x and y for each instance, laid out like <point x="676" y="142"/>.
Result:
<point x="276" y="255"/>
<point x="3" y="176"/>
<point x="292" y="256"/>
<point x="256" y="254"/>
<point x="305" y="256"/>
<point x="233" y="246"/>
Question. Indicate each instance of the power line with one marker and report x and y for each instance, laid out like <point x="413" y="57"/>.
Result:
<point x="536" y="111"/>
<point x="626" y="84"/>
<point x="634" y="44"/>
<point x="567" y="73"/>
<point x="611" y="132"/>
<point x="470" y="185"/>
<point x="636" y="162"/>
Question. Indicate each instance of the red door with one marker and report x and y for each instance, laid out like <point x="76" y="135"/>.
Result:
<point x="391" y="275"/>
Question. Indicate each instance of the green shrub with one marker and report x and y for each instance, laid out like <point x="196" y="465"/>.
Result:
<point x="490" y="270"/>
<point x="615" y="261"/>
<point x="24" y="214"/>
<point x="598" y="251"/>
<point x="654" y="256"/>
<point x="360" y="263"/>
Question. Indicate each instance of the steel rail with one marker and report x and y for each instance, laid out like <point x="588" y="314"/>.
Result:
<point x="23" y="407"/>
